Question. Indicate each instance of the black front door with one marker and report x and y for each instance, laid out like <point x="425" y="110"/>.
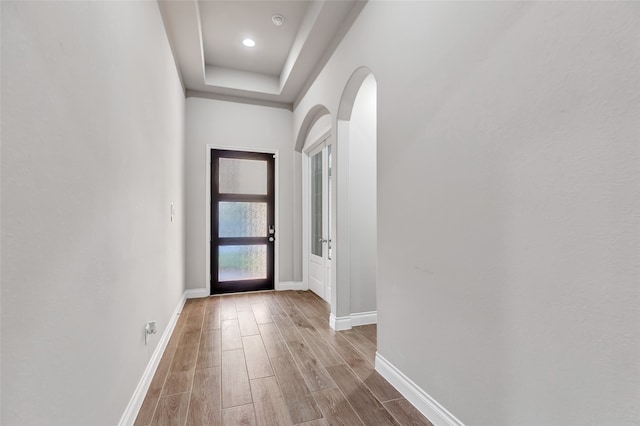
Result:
<point x="242" y="221"/>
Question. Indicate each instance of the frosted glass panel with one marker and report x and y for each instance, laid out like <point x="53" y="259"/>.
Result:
<point x="236" y="263"/>
<point x="242" y="176"/>
<point x="316" y="204"/>
<point x="240" y="219"/>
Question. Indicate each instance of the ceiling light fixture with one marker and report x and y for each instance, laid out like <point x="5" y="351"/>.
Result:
<point x="277" y="20"/>
<point x="248" y="42"/>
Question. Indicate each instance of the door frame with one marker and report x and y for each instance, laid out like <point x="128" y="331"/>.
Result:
<point x="276" y="249"/>
<point x="306" y="214"/>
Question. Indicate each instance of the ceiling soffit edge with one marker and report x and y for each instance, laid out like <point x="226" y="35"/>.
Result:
<point x="237" y="99"/>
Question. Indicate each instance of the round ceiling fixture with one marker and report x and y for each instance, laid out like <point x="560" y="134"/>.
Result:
<point x="248" y="42"/>
<point x="277" y="20"/>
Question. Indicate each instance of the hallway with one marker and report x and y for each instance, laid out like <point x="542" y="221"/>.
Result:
<point x="496" y="249"/>
<point x="270" y="358"/>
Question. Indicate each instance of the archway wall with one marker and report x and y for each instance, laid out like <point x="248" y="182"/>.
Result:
<point x="361" y="113"/>
<point x="490" y="163"/>
<point x="315" y="123"/>
<point x="305" y="128"/>
<point x="352" y="132"/>
<point x="320" y="128"/>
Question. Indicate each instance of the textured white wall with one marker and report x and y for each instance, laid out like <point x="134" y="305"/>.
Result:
<point x="508" y="219"/>
<point x="234" y="125"/>
<point x="92" y="157"/>
<point x="362" y="198"/>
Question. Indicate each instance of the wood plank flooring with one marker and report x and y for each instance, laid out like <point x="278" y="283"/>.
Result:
<point x="270" y="358"/>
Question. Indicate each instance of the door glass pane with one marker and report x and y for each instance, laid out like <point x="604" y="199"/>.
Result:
<point x="316" y="204"/>
<point x="236" y="263"/>
<point x="242" y="219"/>
<point x="242" y="176"/>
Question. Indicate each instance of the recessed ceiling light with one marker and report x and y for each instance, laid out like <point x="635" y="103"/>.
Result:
<point x="248" y="42"/>
<point x="277" y="20"/>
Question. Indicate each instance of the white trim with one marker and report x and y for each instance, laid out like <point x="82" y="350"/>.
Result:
<point x="276" y="249"/>
<point x="290" y="285"/>
<point x="429" y="407"/>
<point x="353" y="320"/>
<point x="196" y="293"/>
<point x="314" y="146"/>
<point x="133" y="407"/>
<point x="307" y="151"/>
<point x="364" y="318"/>
<point x="340" y="323"/>
<point x="305" y="217"/>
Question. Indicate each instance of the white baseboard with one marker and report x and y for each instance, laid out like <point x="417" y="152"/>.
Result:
<point x="290" y="285"/>
<point x="364" y="318"/>
<point x="131" y="412"/>
<point x="340" y="323"/>
<point x="353" y="320"/>
<point x="429" y="407"/>
<point x="196" y="293"/>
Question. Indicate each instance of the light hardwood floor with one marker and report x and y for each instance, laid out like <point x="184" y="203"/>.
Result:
<point x="270" y="358"/>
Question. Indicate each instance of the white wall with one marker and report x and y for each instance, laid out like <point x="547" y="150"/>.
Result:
<point x="92" y="157"/>
<point x="362" y="198"/>
<point x="508" y="218"/>
<point x="242" y="126"/>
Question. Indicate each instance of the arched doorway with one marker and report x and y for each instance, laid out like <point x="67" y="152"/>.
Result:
<point x="314" y="142"/>
<point x="354" y="297"/>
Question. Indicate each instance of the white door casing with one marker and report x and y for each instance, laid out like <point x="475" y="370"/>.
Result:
<point x="317" y="225"/>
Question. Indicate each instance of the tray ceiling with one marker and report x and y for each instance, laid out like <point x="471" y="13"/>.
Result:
<point x="206" y="38"/>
